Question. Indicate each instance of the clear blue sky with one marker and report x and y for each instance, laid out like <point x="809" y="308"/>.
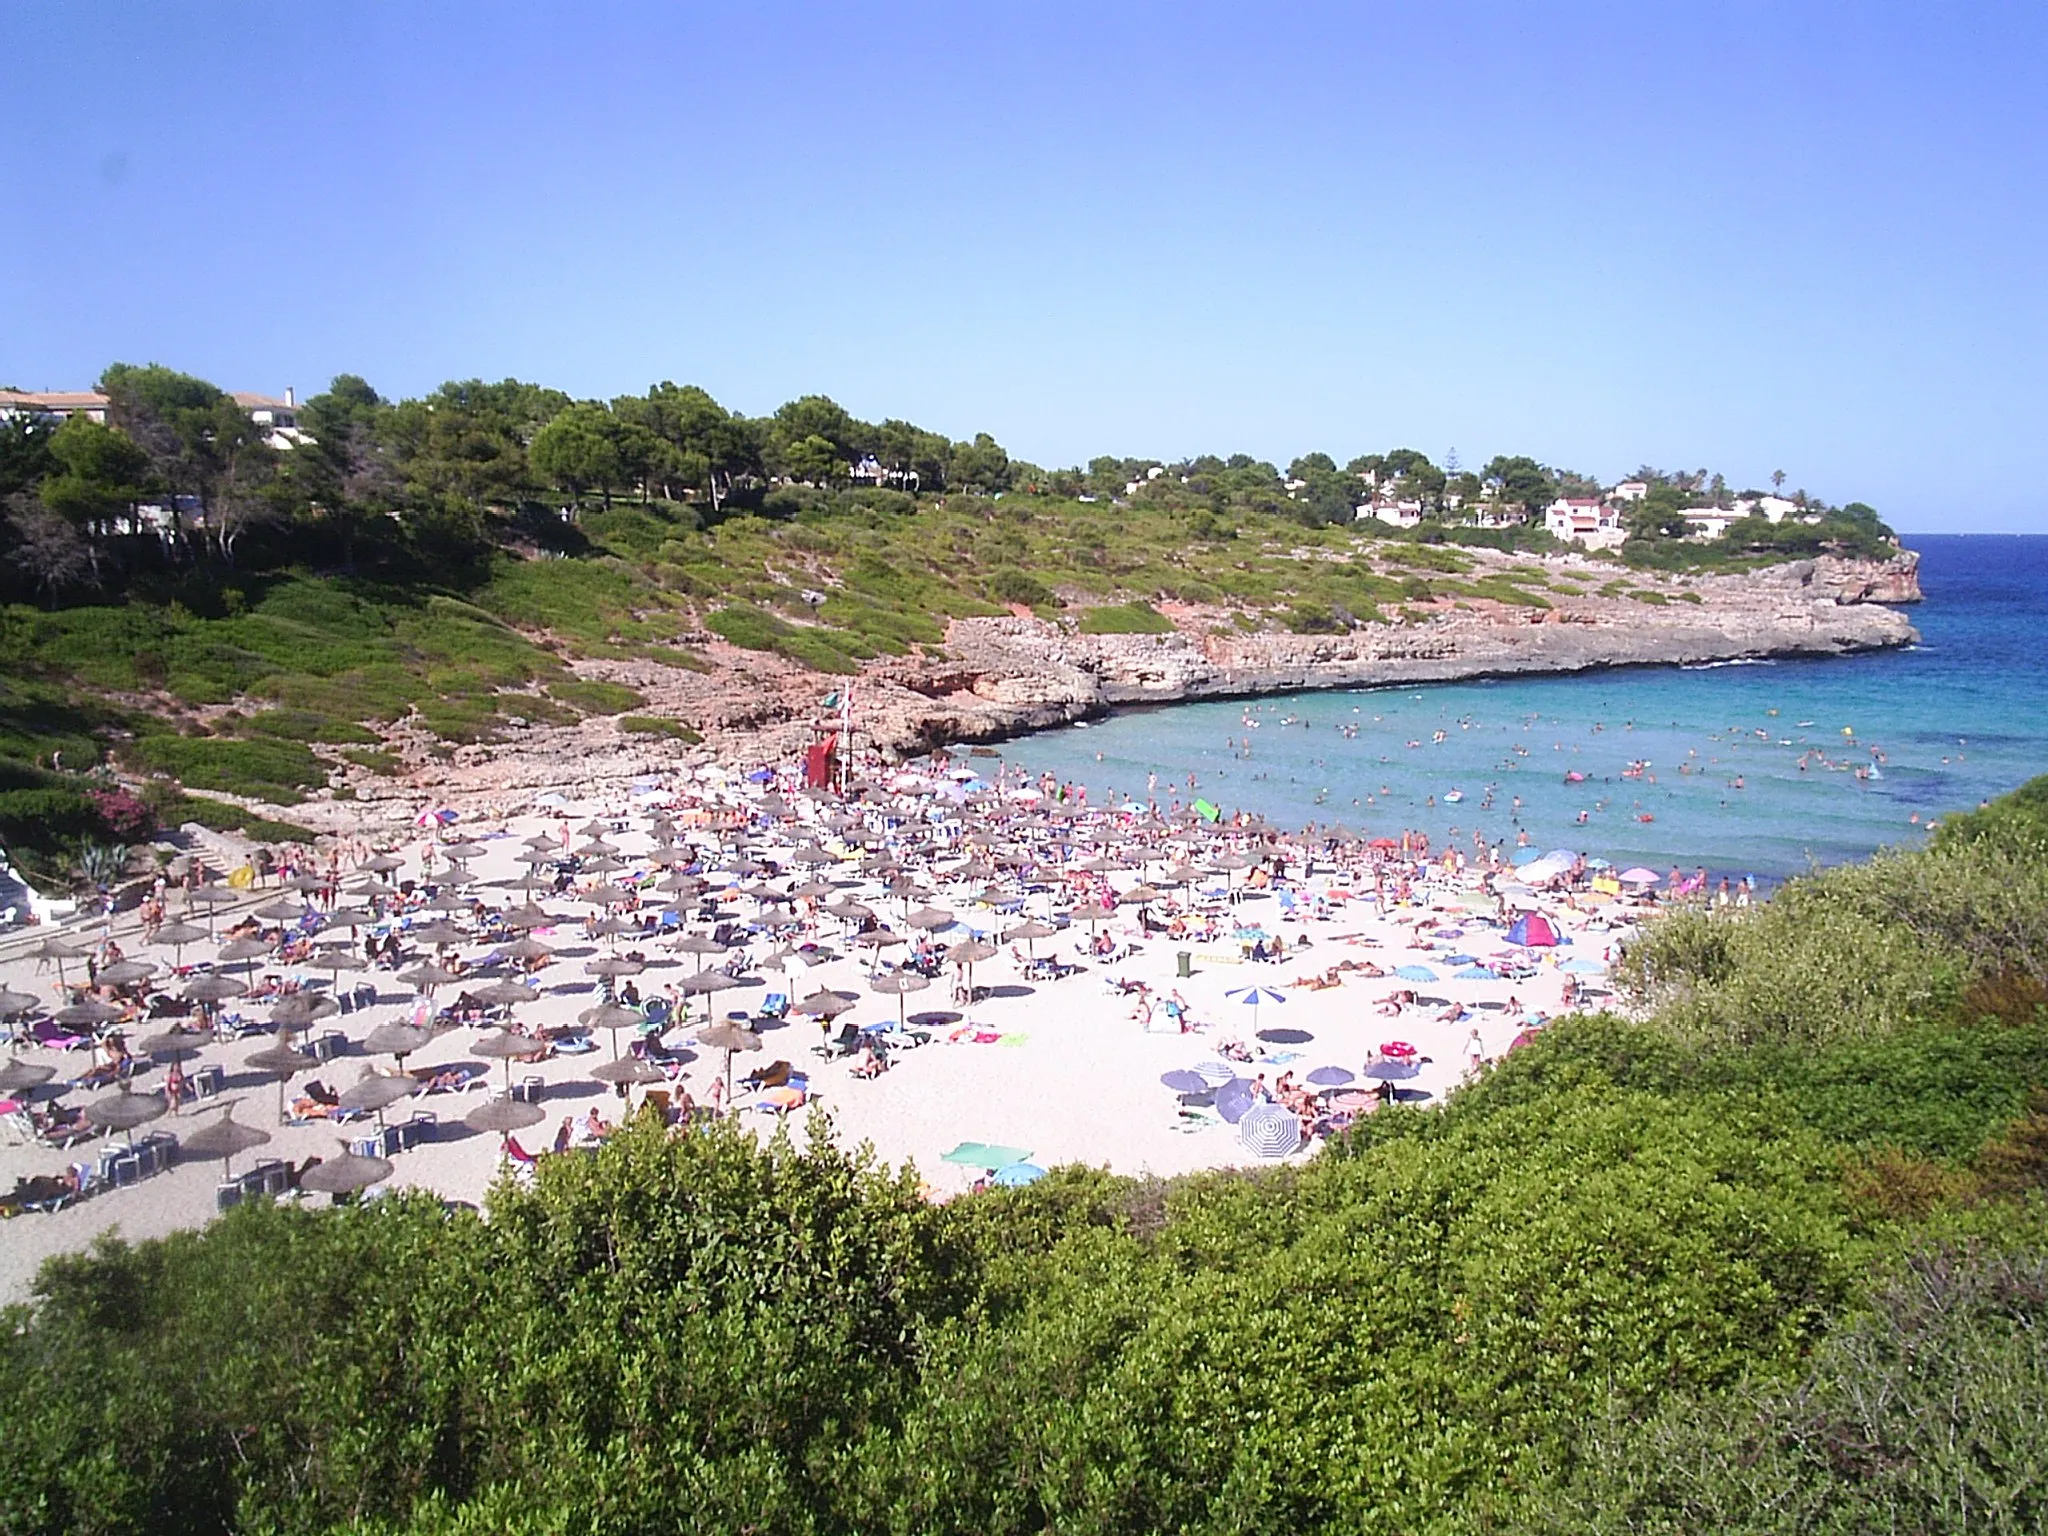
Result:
<point x="1747" y="236"/>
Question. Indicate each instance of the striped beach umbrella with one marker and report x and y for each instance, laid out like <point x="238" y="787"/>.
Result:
<point x="1268" y="1130"/>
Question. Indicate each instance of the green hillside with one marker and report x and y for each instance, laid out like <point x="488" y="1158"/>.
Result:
<point x="186" y="595"/>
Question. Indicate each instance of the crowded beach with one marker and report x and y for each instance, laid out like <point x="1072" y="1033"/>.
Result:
<point x="969" y="971"/>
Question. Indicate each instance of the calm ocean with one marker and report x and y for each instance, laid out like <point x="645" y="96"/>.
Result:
<point x="1958" y="718"/>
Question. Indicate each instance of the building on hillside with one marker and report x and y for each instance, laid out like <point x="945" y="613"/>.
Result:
<point x="1709" y="522"/>
<point x="279" y="418"/>
<point x="1629" y="491"/>
<point x="1773" y="509"/>
<point x="1402" y="514"/>
<point x="1587" y="521"/>
<point x="53" y="405"/>
<point x="1495" y="514"/>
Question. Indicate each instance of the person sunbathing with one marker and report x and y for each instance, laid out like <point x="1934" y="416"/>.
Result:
<point x="60" y="1122"/>
<point x="595" y="1126"/>
<point x="318" y="1102"/>
<point x="1322" y="983"/>
<point x="111" y="1062"/>
<point x="39" y="1189"/>
<point x="870" y="1065"/>
<point x="447" y="1080"/>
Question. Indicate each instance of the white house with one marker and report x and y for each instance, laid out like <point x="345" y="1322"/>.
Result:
<point x="53" y="404"/>
<point x="1710" y="522"/>
<point x="1584" y="520"/>
<point x="1774" y="508"/>
<point x="280" y="417"/>
<point x="1629" y="491"/>
<point x="1402" y="514"/>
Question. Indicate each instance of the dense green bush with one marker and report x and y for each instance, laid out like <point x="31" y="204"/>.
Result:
<point x="1622" y="1282"/>
<point x="1922" y="1415"/>
<point x="277" y="771"/>
<point x="1010" y="585"/>
<point x="48" y="818"/>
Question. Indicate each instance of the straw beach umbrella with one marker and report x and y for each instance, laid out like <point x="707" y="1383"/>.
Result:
<point x="377" y="1093"/>
<point x="345" y="1175"/>
<point x="281" y="1060"/>
<point x="125" y="1111"/>
<point x="178" y="935"/>
<point x="729" y="1038"/>
<point x="222" y="1139"/>
<point x="899" y="984"/>
<point x="502" y="1117"/>
<point x="20" y="1076"/>
<point x="508" y="1047"/>
<point x="626" y="1071"/>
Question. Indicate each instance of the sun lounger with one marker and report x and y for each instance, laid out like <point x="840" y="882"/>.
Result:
<point x="67" y="1134"/>
<point x="904" y="1039"/>
<point x="54" y="1036"/>
<point x="846" y="1043"/>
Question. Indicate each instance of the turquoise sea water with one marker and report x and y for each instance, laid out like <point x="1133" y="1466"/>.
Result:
<point x="1958" y="718"/>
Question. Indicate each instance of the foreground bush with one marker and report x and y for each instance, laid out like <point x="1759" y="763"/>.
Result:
<point x="1622" y="1284"/>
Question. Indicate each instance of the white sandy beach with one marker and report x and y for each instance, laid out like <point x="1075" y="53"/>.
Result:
<point x="1068" y="1074"/>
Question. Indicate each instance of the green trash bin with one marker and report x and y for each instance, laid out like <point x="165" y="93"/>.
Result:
<point x="1186" y="961"/>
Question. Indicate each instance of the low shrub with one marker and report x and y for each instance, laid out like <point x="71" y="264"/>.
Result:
<point x="1010" y="585"/>
<point x="1125" y="619"/>
<point x="47" y="819"/>
<point x="595" y="697"/>
<point x="278" y="771"/>
<point x="656" y="725"/>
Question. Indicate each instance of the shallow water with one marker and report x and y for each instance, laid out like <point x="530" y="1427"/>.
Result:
<point x="1959" y="718"/>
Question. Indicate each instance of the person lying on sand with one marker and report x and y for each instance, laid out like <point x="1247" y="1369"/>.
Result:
<point x="318" y="1102"/>
<point x="1322" y="983"/>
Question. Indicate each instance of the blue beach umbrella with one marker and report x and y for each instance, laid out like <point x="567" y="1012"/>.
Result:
<point x="1019" y="1174"/>
<point x="1215" y="1074"/>
<point x="1184" y="1081"/>
<point x="1393" y="1071"/>
<point x="1331" y="1077"/>
<point x="1251" y="997"/>
<point x="1474" y="973"/>
<point x="1414" y="973"/>
<point x="1233" y="1099"/>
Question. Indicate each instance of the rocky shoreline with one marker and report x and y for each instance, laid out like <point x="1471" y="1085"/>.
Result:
<point x="1001" y="677"/>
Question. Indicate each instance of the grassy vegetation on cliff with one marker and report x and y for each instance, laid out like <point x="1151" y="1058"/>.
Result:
<point x="1684" y="1273"/>
<point x="177" y="591"/>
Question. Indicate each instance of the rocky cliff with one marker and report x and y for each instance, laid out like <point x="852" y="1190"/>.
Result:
<point x="998" y="677"/>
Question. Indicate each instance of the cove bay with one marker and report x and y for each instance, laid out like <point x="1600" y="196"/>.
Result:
<point x="1957" y="718"/>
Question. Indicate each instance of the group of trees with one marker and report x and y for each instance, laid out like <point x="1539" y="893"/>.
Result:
<point x="1314" y="489"/>
<point x="1772" y="1257"/>
<point x="429" y="472"/>
<point x="433" y="475"/>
